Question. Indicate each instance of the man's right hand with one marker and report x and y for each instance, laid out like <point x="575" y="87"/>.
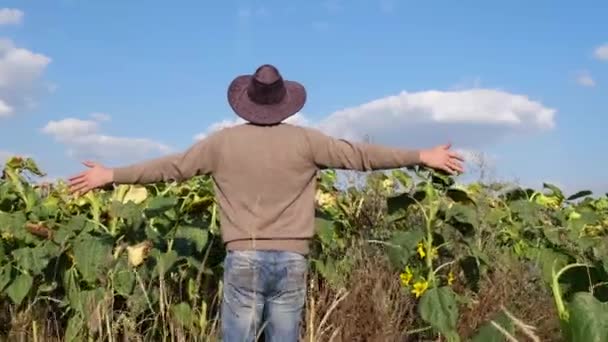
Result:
<point x="95" y="177"/>
<point x="441" y="158"/>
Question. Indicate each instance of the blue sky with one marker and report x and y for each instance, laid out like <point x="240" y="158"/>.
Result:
<point x="120" y="81"/>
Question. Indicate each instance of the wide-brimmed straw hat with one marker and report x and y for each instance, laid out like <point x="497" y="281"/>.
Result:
<point x="264" y="98"/>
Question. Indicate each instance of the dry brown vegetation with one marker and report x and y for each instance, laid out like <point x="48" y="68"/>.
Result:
<point x="375" y="308"/>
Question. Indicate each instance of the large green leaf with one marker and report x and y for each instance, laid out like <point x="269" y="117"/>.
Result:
<point x="197" y="236"/>
<point x="460" y="196"/>
<point x="165" y="260"/>
<point x="397" y="206"/>
<point x="159" y="205"/>
<point x="123" y="278"/>
<point x="528" y="212"/>
<point x="441" y="180"/>
<point x="36" y="258"/>
<point x="14" y="224"/>
<point x="579" y="194"/>
<point x="129" y="210"/>
<point x="76" y="224"/>
<point x="92" y="255"/>
<point x="20" y="287"/>
<point x="588" y="319"/>
<point x="402" y="246"/>
<point x="464" y="218"/>
<point x="439" y="308"/>
<point x="31" y="259"/>
<point x="63" y="234"/>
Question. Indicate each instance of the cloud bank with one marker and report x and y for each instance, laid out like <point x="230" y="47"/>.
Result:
<point x="470" y="119"/>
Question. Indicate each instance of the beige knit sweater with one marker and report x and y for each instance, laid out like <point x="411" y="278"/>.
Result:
<point x="265" y="178"/>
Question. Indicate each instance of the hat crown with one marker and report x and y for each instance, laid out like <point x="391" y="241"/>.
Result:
<point x="266" y="86"/>
<point x="267" y="74"/>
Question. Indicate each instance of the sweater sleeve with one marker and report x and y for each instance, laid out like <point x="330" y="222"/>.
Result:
<point x="199" y="159"/>
<point x="328" y="152"/>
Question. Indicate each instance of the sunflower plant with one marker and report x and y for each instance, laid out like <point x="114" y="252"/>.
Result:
<point x="429" y="250"/>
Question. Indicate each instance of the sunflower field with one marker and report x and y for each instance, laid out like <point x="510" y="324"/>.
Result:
<point x="410" y="256"/>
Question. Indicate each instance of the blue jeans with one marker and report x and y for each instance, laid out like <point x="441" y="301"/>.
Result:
<point x="263" y="290"/>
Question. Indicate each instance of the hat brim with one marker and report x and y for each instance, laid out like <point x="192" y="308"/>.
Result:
<point x="292" y="102"/>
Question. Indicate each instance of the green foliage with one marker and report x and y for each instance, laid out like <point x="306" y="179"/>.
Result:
<point x="120" y="245"/>
<point x="128" y="253"/>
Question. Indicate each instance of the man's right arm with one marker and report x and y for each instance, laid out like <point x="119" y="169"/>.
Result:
<point x="199" y="159"/>
<point x="196" y="160"/>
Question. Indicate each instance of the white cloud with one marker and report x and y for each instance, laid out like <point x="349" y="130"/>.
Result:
<point x="84" y="141"/>
<point x="20" y="70"/>
<point x="584" y="79"/>
<point x="297" y="119"/>
<point x="70" y="128"/>
<point x="468" y="118"/>
<point x="601" y="52"/>
<point x="10" y="16"/>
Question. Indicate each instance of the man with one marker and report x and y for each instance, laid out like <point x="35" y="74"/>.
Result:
<point x="264" y="173"/>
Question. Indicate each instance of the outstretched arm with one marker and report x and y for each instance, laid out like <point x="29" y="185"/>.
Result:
<point x="328" y="152"/>
<point x="197" y="160"/>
